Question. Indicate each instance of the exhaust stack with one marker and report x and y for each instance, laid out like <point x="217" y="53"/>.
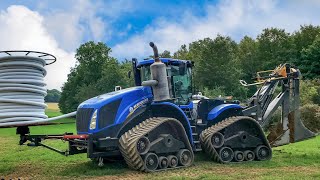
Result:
<point x="159" y="81"/>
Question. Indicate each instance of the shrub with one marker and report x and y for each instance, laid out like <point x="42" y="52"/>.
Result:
<point x="310" y="92"/>
<point x="310" y="116"/>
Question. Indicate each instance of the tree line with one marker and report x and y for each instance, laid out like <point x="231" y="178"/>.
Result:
<point x="219" y="64"/>
<point x="53" y="95"/>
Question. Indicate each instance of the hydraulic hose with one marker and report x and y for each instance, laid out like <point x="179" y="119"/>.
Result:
<point x="22" y="91"/>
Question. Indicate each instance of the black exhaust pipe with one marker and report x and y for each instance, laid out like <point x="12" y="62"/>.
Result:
<point x="155" y="52"/>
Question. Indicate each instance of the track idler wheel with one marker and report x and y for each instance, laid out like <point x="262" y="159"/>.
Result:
<point x="184" y="157"/>
<point x="163" y="162"/>
<point x="173" y="161"/>
<point x="238" y="156"/>
<point x="249" y="155"/>
<point x="226" y="154"/>
<point x="262" y="153"/>
<point x="143" y="145"/>
<point x="217" y="140"/>
<point x="151" y="161"/>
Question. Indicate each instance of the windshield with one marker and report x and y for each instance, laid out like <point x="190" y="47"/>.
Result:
<point x="145" y="73"/>
<point x="180" y="82"/>
<point x="181" y="85"/>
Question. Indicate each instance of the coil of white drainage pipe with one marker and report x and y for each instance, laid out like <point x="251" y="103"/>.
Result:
<point x="22" y="88"/>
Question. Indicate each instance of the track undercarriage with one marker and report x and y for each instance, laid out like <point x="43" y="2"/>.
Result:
<point x="236" y="139"/>
<point x="156" y="144"/>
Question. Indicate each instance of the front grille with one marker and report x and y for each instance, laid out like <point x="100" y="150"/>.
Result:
<point x="108" y="113"/>
<point x="83" y="119"/>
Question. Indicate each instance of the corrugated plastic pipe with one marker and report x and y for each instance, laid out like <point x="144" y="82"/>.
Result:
<point x="22" y="91"/>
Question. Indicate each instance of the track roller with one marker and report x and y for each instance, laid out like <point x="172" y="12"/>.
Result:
<point x="249" y="155"/>
<point x="173" y="161"/>
<point x="238" y="156"/>
<point x="163" y="162"/>
<point x="226" y="154"/>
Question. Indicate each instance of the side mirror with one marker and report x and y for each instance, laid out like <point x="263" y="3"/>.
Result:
<point x="129" y="74"/>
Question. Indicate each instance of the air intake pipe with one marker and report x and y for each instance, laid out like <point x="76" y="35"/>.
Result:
<point x="159" y="81"/>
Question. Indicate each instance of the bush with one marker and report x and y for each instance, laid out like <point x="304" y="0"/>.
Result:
<point x="214" y="93"/>
<point x="310" y="116"/>
<point x="310" y="92"/>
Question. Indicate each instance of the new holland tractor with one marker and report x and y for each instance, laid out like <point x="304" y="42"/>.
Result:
<point x="160" y="124"/>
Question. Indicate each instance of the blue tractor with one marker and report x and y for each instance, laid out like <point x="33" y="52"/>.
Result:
<point x="160" y="124"/>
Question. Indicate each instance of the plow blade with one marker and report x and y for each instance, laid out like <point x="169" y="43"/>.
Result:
<point x="290" y="129"/>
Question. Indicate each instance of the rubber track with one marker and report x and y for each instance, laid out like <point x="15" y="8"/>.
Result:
<point x="129" y="140"/>
<point x="205" y="136"/>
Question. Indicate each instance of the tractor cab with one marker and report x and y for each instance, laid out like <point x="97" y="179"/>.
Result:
<point x="179" y="73"/>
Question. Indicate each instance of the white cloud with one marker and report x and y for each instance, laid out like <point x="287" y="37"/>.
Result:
<point x="71" y="25"/>
<point x="234" y="18"/>
<point x="58" y="28"/>
<point x="23" y="29"/>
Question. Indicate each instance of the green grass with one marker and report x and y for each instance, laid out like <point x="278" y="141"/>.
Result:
<point x="295" y="161"/>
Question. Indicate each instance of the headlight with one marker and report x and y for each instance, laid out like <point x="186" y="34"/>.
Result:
<point x="93" y="123"/>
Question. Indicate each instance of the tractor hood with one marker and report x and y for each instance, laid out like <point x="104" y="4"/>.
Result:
<point x="129" y="93"/>
<point x="111" y="108"/>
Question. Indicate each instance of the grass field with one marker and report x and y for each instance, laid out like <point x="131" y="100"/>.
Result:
<point x="295" y="161"/>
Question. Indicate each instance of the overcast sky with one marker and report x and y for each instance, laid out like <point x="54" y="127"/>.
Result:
<point x="59" y="27"/>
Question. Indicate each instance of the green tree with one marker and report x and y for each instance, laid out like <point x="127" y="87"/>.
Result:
<point x="165" y="54"/>
<point x="275" y="46"/>
<point x="249" y="61"/>
<point x="83" y="80"/>
<point x="310" y="60"/>
<point x="217" y="65"/>
<point x="304" y="38"/>
<point x="182" y="53"/>
<point x="53" y="95"/>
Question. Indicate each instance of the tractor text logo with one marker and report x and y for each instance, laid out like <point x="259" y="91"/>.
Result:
<point x="136" y="106"/>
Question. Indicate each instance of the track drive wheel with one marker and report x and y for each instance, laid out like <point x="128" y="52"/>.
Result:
<point x="217" y="140"/>
<point x="143" y="145"/>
